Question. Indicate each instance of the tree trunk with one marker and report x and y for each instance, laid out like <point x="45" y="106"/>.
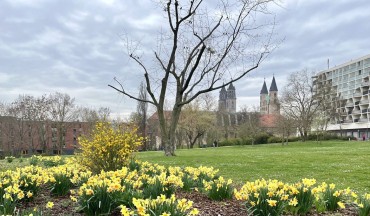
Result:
<point x="168" y="132"/>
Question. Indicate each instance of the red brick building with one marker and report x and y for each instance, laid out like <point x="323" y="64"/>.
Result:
<point x="19" y="137"/>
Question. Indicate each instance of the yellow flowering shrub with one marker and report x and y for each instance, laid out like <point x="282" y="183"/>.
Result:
<point x="108" y="147"/>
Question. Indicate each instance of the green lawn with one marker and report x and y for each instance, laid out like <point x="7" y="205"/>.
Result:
<point x="4" y="165"/>
<point x="347" y="164"/>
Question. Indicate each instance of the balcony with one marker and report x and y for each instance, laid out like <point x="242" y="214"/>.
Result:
<point x="350" y="104"/>
<point x="343" y="113"/>
<point x="365" y="83"/>
<point x="357" y="94"/>
<point x="364" y="111"/>
<point x="364" y="120"/>
<point x="366" y="101"/>
<point x="356" y="112"/>
<point x="347" y="121"/>
<point x="357" y="103"/>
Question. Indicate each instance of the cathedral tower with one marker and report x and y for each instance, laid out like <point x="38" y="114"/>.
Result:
<point x="274" y="104"/>
<point x="264" y="99"/>
<point x="222" y="100"/>
<point x="231" y="99"/>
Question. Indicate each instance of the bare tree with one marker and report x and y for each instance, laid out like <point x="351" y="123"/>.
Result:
<point x="195" y="122"/>
<point x="2" y="108"/>
<point x="298" y="102"/>
<point x="207" y="46"/>
<point x="19" y="126"/>
<point x="285" y="126"/>
<point x="62" y="111"/>
<point x="104" y="113"/>
<point x="251" y="127"/>
<point x="142" y="112"/>
<point x="37" y="111"/>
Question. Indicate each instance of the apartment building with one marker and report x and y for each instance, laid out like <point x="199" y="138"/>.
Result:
<point x="19" y="137"/>
<point x="345" y="92"/>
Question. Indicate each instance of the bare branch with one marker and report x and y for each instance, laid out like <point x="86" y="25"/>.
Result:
<point x="127" y="94"/>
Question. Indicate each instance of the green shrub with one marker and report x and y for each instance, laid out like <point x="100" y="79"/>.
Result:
<point x="34" y="160"/>
<point x="274" y="139"/>
<point x="261" y="138"/>
<point x="235" y="141"/>
<point x="346" y="138"/>
<point x="294" y="139"/>
<point x="62" y="184"/>
<point x="9" y="159"/>
<point x="225" y="143"/>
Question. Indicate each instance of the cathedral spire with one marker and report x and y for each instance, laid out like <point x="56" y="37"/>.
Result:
<point x="273" y="86"/>
<point x="264" y="88"/>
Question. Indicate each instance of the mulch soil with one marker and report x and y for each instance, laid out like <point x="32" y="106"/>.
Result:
<point x="206" y="207"/>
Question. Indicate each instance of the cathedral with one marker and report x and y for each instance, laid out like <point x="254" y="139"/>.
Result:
<point x="269" y="100"/>
<point x="229" y="118"/>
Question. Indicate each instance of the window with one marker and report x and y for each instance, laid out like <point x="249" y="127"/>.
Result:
<point x="359" y="72"/>
<point x="56" y="152"/>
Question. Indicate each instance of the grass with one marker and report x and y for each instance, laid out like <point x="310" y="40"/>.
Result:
<point x="17" y="162"/>
<point x="347" y="164"/>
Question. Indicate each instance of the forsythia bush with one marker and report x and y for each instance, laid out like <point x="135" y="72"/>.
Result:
<point x="108" y="148"/>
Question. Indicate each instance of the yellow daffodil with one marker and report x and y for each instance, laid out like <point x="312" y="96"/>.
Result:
<point x="341" y="205"/>
<point x="49" y="205"/>
<point x="271" y="203"/>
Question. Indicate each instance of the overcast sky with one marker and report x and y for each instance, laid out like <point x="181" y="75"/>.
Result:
<point x="75" y="47"/>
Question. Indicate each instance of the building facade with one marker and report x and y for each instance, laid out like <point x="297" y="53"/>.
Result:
<point x="345" y="91"/>
<point x="20" y="137"/>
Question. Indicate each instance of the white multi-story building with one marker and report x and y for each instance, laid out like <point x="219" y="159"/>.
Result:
<point x="347" y="96"/>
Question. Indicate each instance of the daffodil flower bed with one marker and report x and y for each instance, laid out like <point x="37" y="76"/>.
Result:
<point x="149" y="189"/>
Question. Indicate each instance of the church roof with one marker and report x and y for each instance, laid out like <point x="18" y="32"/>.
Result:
<point x="273" y="86"/>
<point x="264" y="88"/>
<point x="268" y="120"/>
<point x="231" y="87"/>
<point x="223" y="89"/>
